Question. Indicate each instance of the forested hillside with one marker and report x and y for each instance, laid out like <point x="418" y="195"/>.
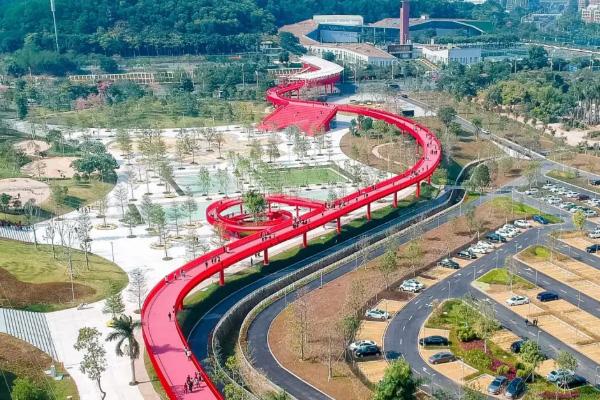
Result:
<point x="151" y="27"/>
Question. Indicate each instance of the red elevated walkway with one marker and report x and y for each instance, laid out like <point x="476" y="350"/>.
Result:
<point x="163" y="338"/>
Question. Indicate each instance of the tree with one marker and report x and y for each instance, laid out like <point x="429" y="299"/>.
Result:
<point x="398" y="383"/>
<point x="146" y="209"/>
<point x="204" y="180"/>
<point x="130" y="219"/>
<point x="31" y="213"/>
<point x="480" y="177"/>
<point x="125" y="143"/>
<point x="94" y="357"/>
<point x="579" y="219"/>
<point x="300" y="324"/>
<point x="137" y="286"/>
<point x="5" y="201"/>
<point x="329" y="56"/>
<point x="532" y="171"/>
<point x="159" y="220"/>
<point x="193" y="245"/>
<point x="121" y="194"/>
<point x="531" y="353"/>
<point x="190" y="207"/>
<point x="83" y="229"/>
<point x="478" y="124"/>
<point x="50" y="235"/>
<point x="25" y="389"/>
<point x="113" y="304"/>
<point x="566" y="361"/>
<point x="219" y="140"/>
<point x="222" y="177"/>
<point x="59" y="194"/>
<point x="486" y="324"/>
<point x="176" y="213"/>
<point x="255" y="203"/>
<point x="388" y="264"/>
<point x="102" y="205"/>
<point x="165" y="171"/>
<point x="124" y="334"/>
<point x="537" y="57"/>
<point x="446" y="116"/>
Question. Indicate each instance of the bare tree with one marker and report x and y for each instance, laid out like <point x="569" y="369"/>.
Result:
<point x="67" y="235"/>
<point x="131" y="180"/>
<point x="120" y="194"/>
<point x="102" y="206"/>
<point x="50" y="234"/>
<point x="138" y="286"/>
<point x="300" y="323"/>
<point x="83" y="228"/>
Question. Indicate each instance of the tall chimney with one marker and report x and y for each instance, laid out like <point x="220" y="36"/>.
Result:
<point x="404" y="13"/>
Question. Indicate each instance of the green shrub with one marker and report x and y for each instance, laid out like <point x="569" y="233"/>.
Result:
<point x="503" y="370"/>
<point x="478" y="359"/>
<point x="466" y="334"/>
<point x="524" y="373"/>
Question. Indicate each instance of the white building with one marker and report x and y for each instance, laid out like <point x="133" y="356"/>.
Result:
<point x="591" y="14"/>
<point x="350" y="20"/>
<point x="445" y="54"/>
<point x="355" y="53"/>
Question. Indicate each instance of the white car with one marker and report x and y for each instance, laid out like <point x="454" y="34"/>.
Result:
<point x="522" y="223"/>
<point x="590" y="213"/>
<point x="502" y="233"/>
<point x="595" y="234"/>
<point x="571" y="194"/>
<point x="531" y="191"/>
<point x="376" y="313"/>
<point x="517" y="300"/>
<point x="360" y="343"/>
<point x="507" y="232"/>
<point x="554" y="189"/>
<point x="479" y="250"/>
<point x="411" y="285"/>
<point x="566" y="205"/>
<point x="592" y="202"/>
<point x="548" y="186"/>
<point x="483" y="243"/>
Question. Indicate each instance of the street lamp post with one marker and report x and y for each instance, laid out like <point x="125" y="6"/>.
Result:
<point x="53" y="9"/>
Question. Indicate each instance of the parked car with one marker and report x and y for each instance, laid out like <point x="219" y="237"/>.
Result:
<point x="442" y="357"/>
<point x="435" y="340"/>
<point x="522" y="223"/>
<point x="411" y="285"/>
<point x="479" y="250"/>
<point x="494" y="237"/>
<point x="515" y="388"/>
<point x="595" y="234"/>
<point x="590" y="213"/>
<point x="572" y="195"/>
<point x="559" y="375"/>
<point x="548" y="186"/>
<point x="531" y="191"/>
<point x="595" y="182"/>
<point x="515" y="347"/>
<point x="593" y="248"/>
<point x="572" y="382"/>
<point x="517" y="300"/>
<point x="376" y="313"/>
<point x="449" y="263"/>
<point x="540" y="220"/>
<point x="368" y="350"/>
<point x="547" y="296"/>
<point x="466" y="255"/>
<point x="582" y="197"/>
<point x="360" y="343"/>
<point x="497" y="385"/>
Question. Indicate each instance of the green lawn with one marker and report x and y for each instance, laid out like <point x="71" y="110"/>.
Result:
<point x="148" y="112"/>
<point x="572" y="178"/>
<point x="520" y="210"/>
<point x="295" y="177"/>
<point x="38" y="267"/>
<point x="501" y="276"/>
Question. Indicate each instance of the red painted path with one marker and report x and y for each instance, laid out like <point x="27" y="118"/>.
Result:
<point x="163" y="338"/>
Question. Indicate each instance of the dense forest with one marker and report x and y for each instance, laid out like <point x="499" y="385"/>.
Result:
<point x="150" y="27"/>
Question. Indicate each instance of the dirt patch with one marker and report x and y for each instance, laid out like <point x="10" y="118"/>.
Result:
<point x="586" y="162"/>
<point x="17" y="294"/>
<point x="32" y="147"/>
<point x="54" y="167"/>
<point x="25" y="189"/>
<point x="504" y="338"/>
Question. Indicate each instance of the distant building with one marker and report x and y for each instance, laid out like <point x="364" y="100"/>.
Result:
<point x="445" y="54"/>
<point x="513" y="4"/>
<point x="347" y="20"/>
<point x="355" y="53"/>
<point x="591" y="14"/>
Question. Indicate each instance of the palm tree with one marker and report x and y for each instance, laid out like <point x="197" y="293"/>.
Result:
<point x="124" y="331"/>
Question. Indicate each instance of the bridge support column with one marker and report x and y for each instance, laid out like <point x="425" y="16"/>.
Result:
<point x="297" y="211"/>
<point x="222" y="277"/>
<point x="266" y="257"/>
<point x="369" y="211"/>
<point x="339" y="226"/>
<point x="241" y="208"/>
<point x="395" y="203"/>
<point x="305" y="240"/>
<point x="418" y="189"/>
<point x="429" y="179"/>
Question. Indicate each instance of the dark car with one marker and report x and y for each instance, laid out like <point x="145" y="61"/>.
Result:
<point x="496" y="386"/>
<point x="515" y="388"/>
<point x="433" y="341"/>
<point x="546" y="296"/>
<point x="448" y="263"/>
<point x="571" y="382"/>
<point x="595" y="182"/>
<point x="466" y="255"/>
<point x="539" y="219"/>
<point x="442" y="357"/>
<point x="515" y="347"/>
<point x="582" y="197"/>
<point x="593" y="248"/>
<point x="494" y="237"/>
<point x="368" y="350"/>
